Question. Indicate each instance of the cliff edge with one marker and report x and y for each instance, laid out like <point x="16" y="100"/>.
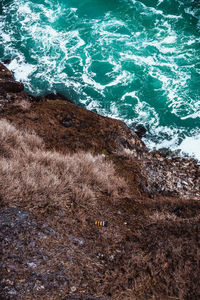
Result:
<point x="62" y="168"/>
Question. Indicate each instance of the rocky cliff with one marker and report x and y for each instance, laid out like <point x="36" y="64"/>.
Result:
<point x="150" y="247"/>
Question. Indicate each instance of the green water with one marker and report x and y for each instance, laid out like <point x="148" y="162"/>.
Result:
<point x="138" y="61"/>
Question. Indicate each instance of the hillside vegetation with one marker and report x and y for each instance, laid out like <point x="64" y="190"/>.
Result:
<point x="146" y="251"/>
<point x="35" y="178"/>
<point x="62" y="168"/>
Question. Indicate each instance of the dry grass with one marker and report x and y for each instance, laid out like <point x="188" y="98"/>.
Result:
<point x="162" y="255"/>
<point x="162" y="262"/>
<point x="35" y="178"/>
<point x="154" y="255"/>
<point x="23" y="104"/>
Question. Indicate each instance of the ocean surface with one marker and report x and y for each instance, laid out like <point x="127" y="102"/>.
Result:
<point x="138" y="61"/>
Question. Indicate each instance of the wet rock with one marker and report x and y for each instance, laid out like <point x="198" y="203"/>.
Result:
<point x="172" y="176"/>
<point x="9" y="85"/>
<point x="140" y="130"/>
<point x="81" y="129"/>
<point x="7" y="61"/>
<point x="55" y="96"/>
<point x="166" y="152"/>
<point x="4" y="72"/>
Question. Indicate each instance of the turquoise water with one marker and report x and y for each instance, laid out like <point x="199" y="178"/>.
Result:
<point x="138" y="61"/>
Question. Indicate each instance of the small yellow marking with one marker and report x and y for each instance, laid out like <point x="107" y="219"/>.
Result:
<point x="101" y="223"/>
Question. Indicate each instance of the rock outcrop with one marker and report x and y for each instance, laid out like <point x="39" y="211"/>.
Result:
<point x="10" y="90"/>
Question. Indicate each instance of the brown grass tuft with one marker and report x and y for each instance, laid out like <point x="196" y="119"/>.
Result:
<point x="33" y="177"/>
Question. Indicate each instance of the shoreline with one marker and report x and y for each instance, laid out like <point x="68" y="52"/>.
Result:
<point x="192" y="143"/>
<point x="103" y="135"/>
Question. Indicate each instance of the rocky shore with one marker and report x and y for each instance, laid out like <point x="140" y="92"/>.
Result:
<point x="150" y="249"/>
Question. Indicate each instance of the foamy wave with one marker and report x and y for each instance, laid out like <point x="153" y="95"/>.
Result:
<point x="191" y="146"/>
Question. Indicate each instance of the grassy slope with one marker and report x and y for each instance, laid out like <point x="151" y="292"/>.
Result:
<point x="146" y="250"/>
<point x="79" y="167"/>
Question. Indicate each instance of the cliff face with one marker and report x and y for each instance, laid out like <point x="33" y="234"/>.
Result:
<point x="66" y="127"/>
<point x="151" y="243"/>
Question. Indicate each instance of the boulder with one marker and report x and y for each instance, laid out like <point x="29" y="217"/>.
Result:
<point x="10" y="85"/>
<point x="4" y="72"/>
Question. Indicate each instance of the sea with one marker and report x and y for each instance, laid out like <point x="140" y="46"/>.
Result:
<point x="134" y="60"/>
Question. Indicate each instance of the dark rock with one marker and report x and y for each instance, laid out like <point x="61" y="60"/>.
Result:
<point x="9" y="85"/>
<point x="140" y="130"/>
<point x="56" y="96"/>
<point x="166" y="152"/>
<point x="7" y="61"/>
<point x="66" y="122"/>
<point x="4" y="72"/>
<point x="177" y="211"/>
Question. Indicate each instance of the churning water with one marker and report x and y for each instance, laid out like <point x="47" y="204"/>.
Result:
<point x="138" y="61"/>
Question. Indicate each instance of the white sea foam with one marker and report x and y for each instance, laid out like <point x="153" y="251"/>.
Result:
<point x="192" y="12"/>
<point x="24" y="9"/>
<point x="195" y="115"/>
<point x="191" y="146"/>
<point x="6" y="38"/>
<point x="21" y="71"/>
<point x="121" y="78"/>
<point x="130" y="94"/>
<point x="169" y="40"/>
